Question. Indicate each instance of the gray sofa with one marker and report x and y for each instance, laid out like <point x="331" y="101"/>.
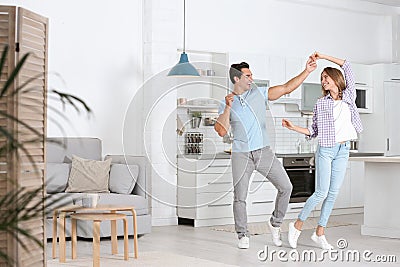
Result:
<point x="59" y="152"/>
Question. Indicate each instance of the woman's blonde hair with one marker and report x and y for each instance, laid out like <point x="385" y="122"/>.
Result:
<point x="337" y="76"/>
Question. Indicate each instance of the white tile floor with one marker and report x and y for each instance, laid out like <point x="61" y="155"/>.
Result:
<point x="221" y="247"/>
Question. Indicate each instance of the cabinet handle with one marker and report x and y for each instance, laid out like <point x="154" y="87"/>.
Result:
<point x="296" y="208"/>
<point x="395" y="79"/>
<point x="220" y="183"/>
<point x="219" y="205"/>
<point x="387" y="144"/>
<point x="212" y="166"/>
<point x="262" y="202"/>
<point x="361" y="83"/>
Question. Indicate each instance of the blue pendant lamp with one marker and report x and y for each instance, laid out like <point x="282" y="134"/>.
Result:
<point x="184" y="68"/>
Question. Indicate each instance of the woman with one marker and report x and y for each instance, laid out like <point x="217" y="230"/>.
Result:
<point x="336" y="121"/>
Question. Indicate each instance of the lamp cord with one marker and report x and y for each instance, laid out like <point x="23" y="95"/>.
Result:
<point x="184" y="25"/>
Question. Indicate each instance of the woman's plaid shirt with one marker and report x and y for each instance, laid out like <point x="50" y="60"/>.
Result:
<point x="323" y="124"/>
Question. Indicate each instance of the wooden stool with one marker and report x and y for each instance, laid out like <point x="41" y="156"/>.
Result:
<point x="62" y="212"/>
<point x="97" y="218"/>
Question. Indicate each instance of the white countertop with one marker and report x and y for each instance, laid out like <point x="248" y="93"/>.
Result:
<point x="377" y="159"/>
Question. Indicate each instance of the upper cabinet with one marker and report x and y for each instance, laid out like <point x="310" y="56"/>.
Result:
<point x="364" y="87"/>
<point x="277" y="73"/>
<point x="293" y="67"/>
<point x="259" y="64"/>
<point x="391" y="72"/>
<point x="362" y="74"/>
<point x="282" y="70"/>
<point x="213" y="81"/>
<point x="315" y="76"/>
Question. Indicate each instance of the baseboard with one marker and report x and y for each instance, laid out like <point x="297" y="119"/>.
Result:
<point x="164" y="221"/>
<point x="342" y="211"/>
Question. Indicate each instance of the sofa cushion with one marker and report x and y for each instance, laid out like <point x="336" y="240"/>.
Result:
<point x="57" y="177"/>
<point x="123" y="178"/>
<point x="88" y="175"/>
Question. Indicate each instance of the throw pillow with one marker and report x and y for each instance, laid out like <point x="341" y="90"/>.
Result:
<point x="56" y="177"/>
<point x="123" y="178"/>
<point x="88" y="175"/>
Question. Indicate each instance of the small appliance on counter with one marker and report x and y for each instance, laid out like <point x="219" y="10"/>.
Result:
<point x="209" y="121"/>
<point x="354" y="145"/>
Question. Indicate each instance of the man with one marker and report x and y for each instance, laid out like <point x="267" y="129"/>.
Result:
<point x="244" y="110"/>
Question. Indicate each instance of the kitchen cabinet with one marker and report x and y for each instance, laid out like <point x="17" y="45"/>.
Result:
<point x="214" y="74"/>
<point x="362" y="74"/>
<point x="392" y="127"/>
<point x="261" y="198"/>
<point x="205" y="193"/>
<point x="278" y="70"/>
<point x="351" y="194"/>
<point x="356" y="184"/>
<point x="259" y="64"/>
<point x="381" y="216"/>
<point x="293" y="66"/>
<point x="391" y="72"/>
<point x="374" y="137"/>
<point x="343" y="199"/>
<point x="282" y="70"/>
<point x="315" y="76"/>
<point x="364" y="87"/>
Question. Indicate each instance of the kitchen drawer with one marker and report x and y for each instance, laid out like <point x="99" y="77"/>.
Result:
<point x="261" y="203"/>
<point x="258" y="186"/>
<point x="215" y="186"/>
<point x="295" y="207"/>
<point x="216" y="169"/>
<point x="214" y="205"/>
<point x="209" y="178"/>
<point x="258" y="177"/>
<point x="263" y="195"/>
<point x="209" y="163"/>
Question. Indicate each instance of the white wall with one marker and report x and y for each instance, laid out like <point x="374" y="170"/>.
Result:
<point x="96" y="48"/>
<point x="289" y="29"/>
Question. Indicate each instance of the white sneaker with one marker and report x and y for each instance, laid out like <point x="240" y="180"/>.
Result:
<point x="321" y="241"/>
<point x="293" y="235"/>
<point x="244" y="243"/>
<point x="276" y="234"/>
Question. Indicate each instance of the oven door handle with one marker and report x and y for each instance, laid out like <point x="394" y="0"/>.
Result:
<point x="299" y="169"/>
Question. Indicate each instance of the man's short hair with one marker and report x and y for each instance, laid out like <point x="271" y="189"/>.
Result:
<point x="236" y="70"/>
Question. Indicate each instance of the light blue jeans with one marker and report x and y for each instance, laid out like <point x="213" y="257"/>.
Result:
<point x="331" y="163"/>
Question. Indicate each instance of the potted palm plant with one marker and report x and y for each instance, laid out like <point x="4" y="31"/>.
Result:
<point x="20" y="205"/>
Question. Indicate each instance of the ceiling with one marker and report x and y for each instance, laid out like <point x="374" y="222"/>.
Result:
<point x="393" y="3"/>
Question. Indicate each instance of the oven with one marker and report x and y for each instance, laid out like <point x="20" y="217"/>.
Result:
<point x="301" y="172"/>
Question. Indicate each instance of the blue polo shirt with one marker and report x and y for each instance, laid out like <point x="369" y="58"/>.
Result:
<point x="248" y="120"/>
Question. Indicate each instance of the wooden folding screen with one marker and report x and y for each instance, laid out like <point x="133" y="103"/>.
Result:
<point x="24" y="32"/>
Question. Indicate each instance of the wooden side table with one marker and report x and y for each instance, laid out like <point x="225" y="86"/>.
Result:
<point x="62" y="212"/>
<point x="97" y="218"/>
